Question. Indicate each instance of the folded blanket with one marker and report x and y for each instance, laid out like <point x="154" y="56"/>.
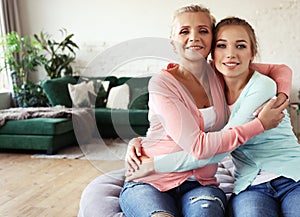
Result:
<point x="36" y="112"/>
<point x="83" y="119"/>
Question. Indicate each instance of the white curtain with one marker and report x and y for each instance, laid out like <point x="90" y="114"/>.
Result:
<point x="9" y="21"/>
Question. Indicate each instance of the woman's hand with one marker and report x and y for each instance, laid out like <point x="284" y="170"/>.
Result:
<point x="270" y="116"/>
<point x="133" y="154"/>
<point x="281" y="99"/>
<point x="145" y="168"/>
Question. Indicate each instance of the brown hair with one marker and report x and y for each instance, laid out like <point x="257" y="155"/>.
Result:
<point x="193" y="8"/>
<point x="240" y="22"/>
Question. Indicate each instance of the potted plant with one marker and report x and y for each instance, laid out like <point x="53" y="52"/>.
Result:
<point x="21" y="56"/>
<point x="59" y="55"/>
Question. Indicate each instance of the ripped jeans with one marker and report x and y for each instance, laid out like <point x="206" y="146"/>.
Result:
<point x="189" y="199"/>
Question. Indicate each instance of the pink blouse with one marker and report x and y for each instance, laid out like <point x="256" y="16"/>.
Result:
<point x="176" y="124"/>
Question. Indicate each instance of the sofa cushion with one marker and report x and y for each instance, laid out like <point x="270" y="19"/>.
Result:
<point x="106" y="116"/>
<point x="49" y="143"/>
<point x="118" y="97"/>
<point x="102" y="196"/>
<point x="82" y="94"/>
<point x="139" y="94"/>
<point x="102" y="85"/>
<point x="57" y="92"/>
<point x="38" y="126"/>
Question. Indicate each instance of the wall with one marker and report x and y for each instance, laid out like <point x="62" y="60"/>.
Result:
<point x="101" y="25"/>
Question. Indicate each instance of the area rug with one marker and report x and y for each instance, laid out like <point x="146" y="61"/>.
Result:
<point x="103" y="149"/>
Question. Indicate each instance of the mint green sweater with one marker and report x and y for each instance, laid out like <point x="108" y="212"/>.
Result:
<point x="276" y="150"/>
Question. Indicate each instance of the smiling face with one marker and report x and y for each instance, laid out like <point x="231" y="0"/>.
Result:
<point x="192" y="35"/>
<point x="233" y="51"/>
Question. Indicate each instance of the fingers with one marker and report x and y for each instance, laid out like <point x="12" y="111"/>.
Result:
<point x="138" y="151"/>
<point x="255" y="114"/>
<point x="271" y="103"/>
<point x="284" y="105"/>
<point x="280" y="110"/>
<point x="146" y="168"/>
<point x="281" y="98"/>
<point x="132" y="161"/>
<point x="129" y="176"/>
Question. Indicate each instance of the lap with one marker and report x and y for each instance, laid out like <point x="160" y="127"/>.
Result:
<point x="101" y="196"/>
<point x="141" y="199"/>
<point x="253" y="204"/>
<point x="188" y="199"/>
<point x="279" y="197"/>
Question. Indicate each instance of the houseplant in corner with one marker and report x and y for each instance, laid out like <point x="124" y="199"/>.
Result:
<point x="59" y="55"/>
<point x="21" y="55"/>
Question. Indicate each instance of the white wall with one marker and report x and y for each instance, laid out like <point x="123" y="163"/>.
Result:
<point x="98" y="25"/>
<point x="101" y="25"/>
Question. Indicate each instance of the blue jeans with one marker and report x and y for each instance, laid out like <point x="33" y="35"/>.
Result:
<point x="279" y="197"/>
<point x="189" y="199"/>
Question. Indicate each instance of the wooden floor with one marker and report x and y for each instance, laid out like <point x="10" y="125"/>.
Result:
<point x="45" y="187"/>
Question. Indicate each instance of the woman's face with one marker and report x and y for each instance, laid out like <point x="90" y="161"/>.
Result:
<point x="192" y="35"/>
<point x="232" y="54"/>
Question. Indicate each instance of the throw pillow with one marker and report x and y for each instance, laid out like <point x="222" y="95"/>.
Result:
<point x="118" y="97"/>
<point x="82" y="94"/>
<point x="139" y="95"/>
<point x="101" y="89"/>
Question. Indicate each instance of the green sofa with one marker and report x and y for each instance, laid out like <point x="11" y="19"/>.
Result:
<point x="51" y="134"/>
<point x="42" y="134"/>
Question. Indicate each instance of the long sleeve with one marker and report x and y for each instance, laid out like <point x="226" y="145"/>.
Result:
<point x="255" y="93"/>
<point x="184" y="128"/>
<point x="182" y="161"/>
<point x="258" y="90"/>
<point x="280" y="73"/>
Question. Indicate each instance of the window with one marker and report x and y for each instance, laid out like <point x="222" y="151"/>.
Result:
<point x="5" y="82"/>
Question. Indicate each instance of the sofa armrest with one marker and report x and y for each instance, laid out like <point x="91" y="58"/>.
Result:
<point x="57" y="92"/>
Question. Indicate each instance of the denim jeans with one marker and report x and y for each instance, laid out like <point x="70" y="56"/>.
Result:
<point x="189" y="199"/>
<point x="279" y="197"/>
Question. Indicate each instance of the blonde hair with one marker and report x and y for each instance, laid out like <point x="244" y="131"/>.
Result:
<point x="229" y="21"/>
<point x="193" y="9"/>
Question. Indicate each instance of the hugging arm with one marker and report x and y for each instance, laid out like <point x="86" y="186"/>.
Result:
<point x="184" y="129"/>
<point x="184" y="161"/>
<point x="280" y="73"/>
<point x="242" y="113"/>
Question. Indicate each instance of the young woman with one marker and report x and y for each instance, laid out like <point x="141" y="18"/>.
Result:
<point x="267" y="181"/>
<point x="175" y="97"/>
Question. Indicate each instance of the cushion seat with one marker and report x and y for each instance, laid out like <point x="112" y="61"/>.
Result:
<point x="48" y="134"/>
<point x="121" y="116"/>
<point x="101" y="196"/>
<point x="38" y="126"/>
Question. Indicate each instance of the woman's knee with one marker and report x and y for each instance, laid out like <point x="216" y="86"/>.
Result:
<point x="290" y="204"/>
<point x="208" y="202"/>
<point x="253" y="203"/>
